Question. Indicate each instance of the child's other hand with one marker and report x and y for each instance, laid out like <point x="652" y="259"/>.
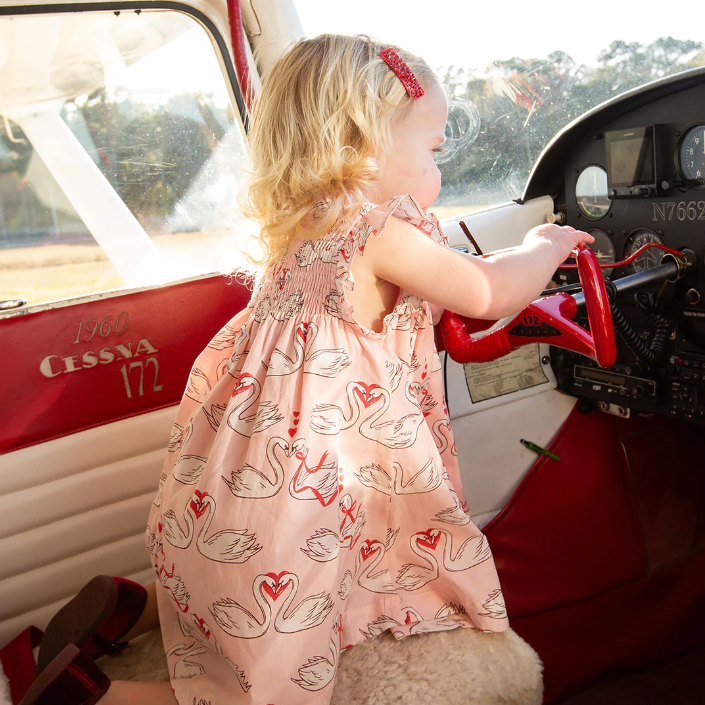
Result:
<point x="563" y="238"/>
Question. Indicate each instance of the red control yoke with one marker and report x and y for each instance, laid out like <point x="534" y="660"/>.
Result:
<point x="547" y="320"/>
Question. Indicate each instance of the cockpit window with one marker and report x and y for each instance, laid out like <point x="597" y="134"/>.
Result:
<point x="121" y="154"/>
<point x="516" y="73"/>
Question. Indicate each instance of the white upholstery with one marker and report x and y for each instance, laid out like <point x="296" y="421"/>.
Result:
<point x="74" y="507"/>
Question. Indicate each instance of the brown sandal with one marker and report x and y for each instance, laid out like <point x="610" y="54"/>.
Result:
<point x="104" y="610"/>
<point x="70" y="679"/>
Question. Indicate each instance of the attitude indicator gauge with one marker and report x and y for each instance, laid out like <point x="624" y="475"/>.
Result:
<point x="646" y="260"/>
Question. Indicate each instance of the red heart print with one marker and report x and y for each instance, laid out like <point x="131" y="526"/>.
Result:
<point x="365" y="397"/>
<point x="367" y="548"/>
<point x="202" y="626"/>
<point x="239" y="387"/>
<point x="296" y="422"/>
<point x="429" y="541"/>
<point x="291" y="432"/>
<point x="199" y="506"/>
<point x="296" y="413"/>
<point x="280" y="587"/>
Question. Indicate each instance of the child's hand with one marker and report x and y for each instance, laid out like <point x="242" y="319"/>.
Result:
<point x="563" y="238"/>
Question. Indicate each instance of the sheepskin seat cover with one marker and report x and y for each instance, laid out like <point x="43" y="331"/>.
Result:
<point x="460" y="667"/>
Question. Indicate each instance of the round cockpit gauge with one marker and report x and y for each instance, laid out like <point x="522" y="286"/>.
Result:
<point x="603" y="249"/>
<point x="691" y="156"/>
<point x="647" y="260"/>
<point x="591" y="193"/>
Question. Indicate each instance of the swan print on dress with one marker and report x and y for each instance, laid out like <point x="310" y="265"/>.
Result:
<point x="255" y="484"/>
<point x="376" y="477"/>
<point x="175" y="586"/>
<point x="413" y="576"/>
<point x="227" y="546"/>
<point x="318" y="672"/>
<point x="319" y="483"/>
<point x="237" y="621"/>
<point x="392" y="434"/>
<point x="329" y="419"/>
<point x="352" y="522"/>
<point x="199" y="630"/>
<point x="322" y="546"/>
<point x="472" y="552"/>
<point x="214" y="414"/>
<point x="173" y="533"/>
<point x="325" y="362"/>
<point x="308" y="613"/>
<point x="180" y="436"/>
<point x="369" y="556"/>
<point x="267" y="414"/>
<point x="311" y="495"/>
<point x="457" y="514"/>
<point x="494" y="604"/>
<point x="189" y="468"/>
<point x="185" y="666"/>
<point x="416" y="624"/>
<point x="198" y="385"/>
<point x="442" y="432"/>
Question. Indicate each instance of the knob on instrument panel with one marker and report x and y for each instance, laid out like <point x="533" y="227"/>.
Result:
<point x="641" y="191"/>
<point x="557" y="218"/>
<point x="692" y="296"/>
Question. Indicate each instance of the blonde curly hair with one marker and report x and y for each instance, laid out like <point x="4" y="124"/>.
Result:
<point x="322" y="120"/>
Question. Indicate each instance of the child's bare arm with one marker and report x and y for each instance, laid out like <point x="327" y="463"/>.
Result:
<point x="491" y="288"/>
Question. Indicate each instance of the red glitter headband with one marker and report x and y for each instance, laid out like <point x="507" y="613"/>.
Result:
<point x="405" y="74"/>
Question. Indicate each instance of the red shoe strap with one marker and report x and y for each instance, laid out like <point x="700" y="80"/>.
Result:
<point x="18" y="662"/>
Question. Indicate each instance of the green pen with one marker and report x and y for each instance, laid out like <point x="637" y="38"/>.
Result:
<point x="538" y="449"/>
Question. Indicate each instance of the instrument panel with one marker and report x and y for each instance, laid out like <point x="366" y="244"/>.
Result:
<point x="638" y="178"/>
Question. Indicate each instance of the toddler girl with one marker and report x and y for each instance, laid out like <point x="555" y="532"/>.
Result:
<point x="311" y="498"/>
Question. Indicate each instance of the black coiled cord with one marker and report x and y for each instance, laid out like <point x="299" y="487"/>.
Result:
<point x="630" y="336"/>
<point x="647" y="303"/>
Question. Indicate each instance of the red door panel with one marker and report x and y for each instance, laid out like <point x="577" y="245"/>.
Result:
<point x="87" y="364"/>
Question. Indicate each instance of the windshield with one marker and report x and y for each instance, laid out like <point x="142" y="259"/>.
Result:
<point x="121" y="154"/>
<point x="516" y="73"/>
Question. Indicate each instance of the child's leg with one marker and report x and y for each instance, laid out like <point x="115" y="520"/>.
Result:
<point x="135" y="693"/>
<point x="149" y="619"/>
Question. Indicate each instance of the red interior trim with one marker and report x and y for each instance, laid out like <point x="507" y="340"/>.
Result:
<point x="237" y="38"/>
<point x="91" y="363"/>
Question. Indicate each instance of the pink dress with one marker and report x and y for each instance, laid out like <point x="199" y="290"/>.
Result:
<point x="311" y="497"/>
